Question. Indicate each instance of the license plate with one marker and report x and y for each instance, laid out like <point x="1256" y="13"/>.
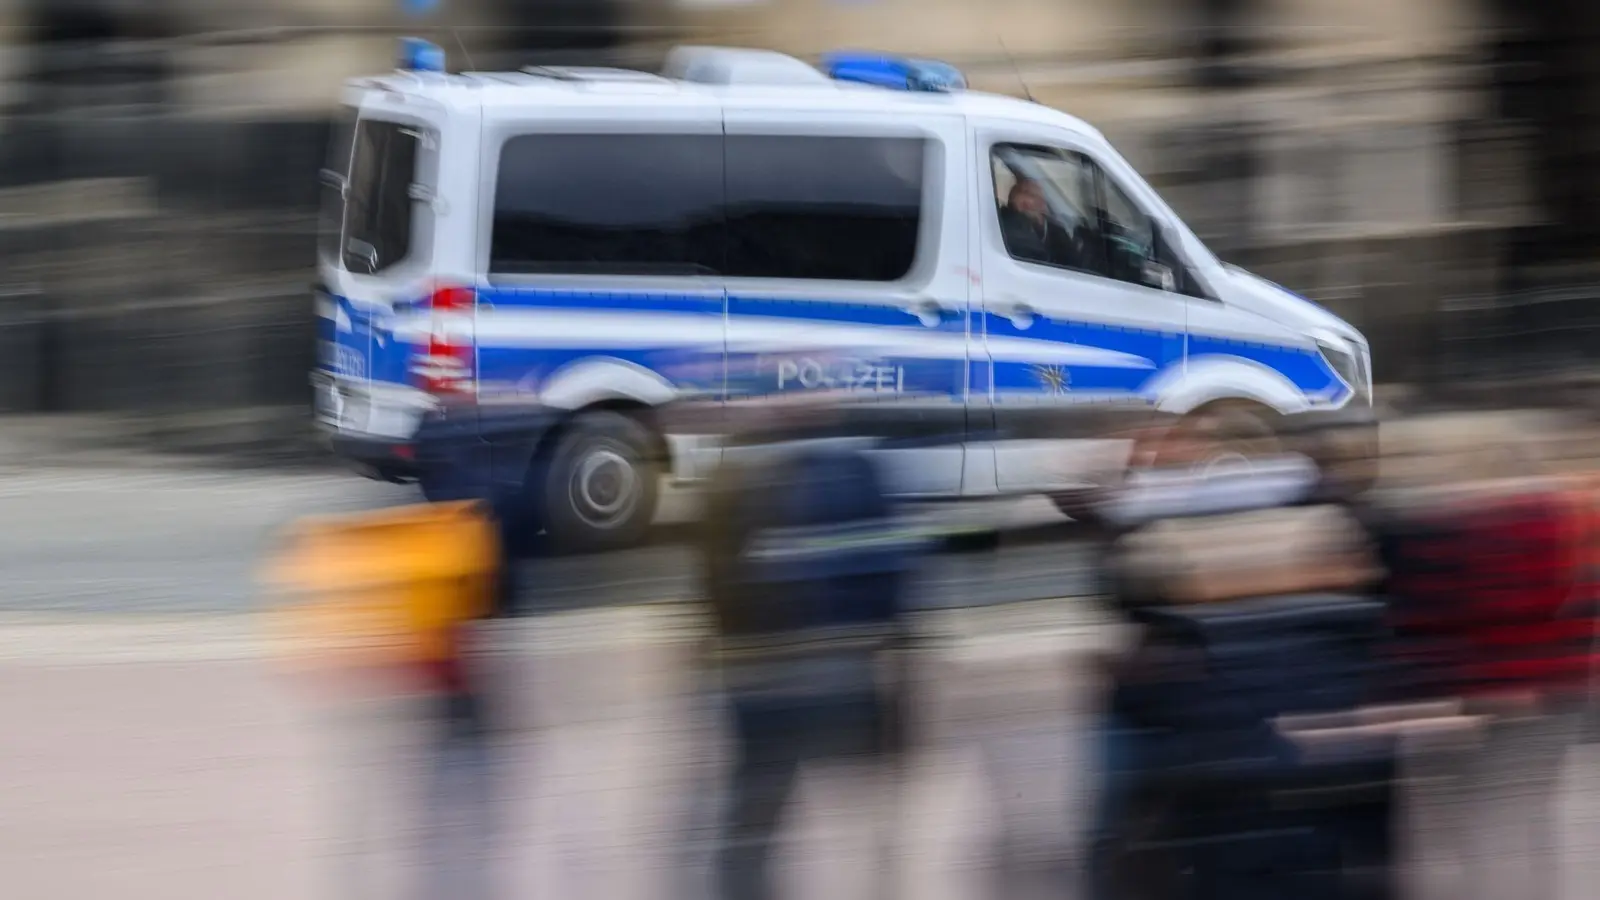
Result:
<point x="329" y="403"/>
<point x="338" y="407"/>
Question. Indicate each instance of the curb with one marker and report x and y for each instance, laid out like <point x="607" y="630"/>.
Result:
<point x="973" y="633"/>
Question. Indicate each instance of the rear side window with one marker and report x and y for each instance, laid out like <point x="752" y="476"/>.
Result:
<point x="837" y="208"/>
<point x="378" y="205"/>
<point x="609" y="204"/>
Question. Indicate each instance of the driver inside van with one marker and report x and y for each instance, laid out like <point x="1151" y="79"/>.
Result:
<point x="1031" y="233"/>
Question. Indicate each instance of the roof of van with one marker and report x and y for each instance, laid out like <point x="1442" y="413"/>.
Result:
<point x="512" y="93"/>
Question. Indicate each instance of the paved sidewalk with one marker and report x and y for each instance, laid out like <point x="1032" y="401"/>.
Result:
<point x="157" y="780"/>
<point x="175" y="760"/>
<point x="192" y="766"/>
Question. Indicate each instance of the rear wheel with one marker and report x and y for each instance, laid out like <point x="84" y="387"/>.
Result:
<point x="602" y="485"/>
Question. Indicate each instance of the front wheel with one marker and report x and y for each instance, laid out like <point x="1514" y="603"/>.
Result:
<point x="602" y="486"/>
<point x="1226" y="434"/>
<point x="1221" y="435"/>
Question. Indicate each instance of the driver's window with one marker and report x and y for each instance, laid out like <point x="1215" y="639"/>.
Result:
<point x="1044" y="203"/>
<point x="1058" y="208"/>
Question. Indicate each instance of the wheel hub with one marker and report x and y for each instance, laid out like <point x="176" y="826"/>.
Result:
<point x="605" y="488"/>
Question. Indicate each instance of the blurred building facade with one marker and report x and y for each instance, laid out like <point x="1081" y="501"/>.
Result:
<point x="158" y="182"/>
<point x="1426" y="168"/>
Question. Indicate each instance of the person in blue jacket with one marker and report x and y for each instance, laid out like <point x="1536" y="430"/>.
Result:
<point x="806" y="574"/>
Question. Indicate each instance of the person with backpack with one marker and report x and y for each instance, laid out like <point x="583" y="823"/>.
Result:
<point x="806" y="568"/>
<point x="1249" y="598"/>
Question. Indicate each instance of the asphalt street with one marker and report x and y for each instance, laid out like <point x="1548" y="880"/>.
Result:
<point x="153" y="540"/>
<point x="162" y="540"/>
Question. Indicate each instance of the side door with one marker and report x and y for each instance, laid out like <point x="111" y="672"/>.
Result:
<point x="847" y="232"/>
<point x="1077" y="315"/>
<point x="380" y="261"/>
<point x="602" y="235"/>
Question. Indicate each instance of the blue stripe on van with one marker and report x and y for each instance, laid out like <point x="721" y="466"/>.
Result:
<point x="522" y="359"/>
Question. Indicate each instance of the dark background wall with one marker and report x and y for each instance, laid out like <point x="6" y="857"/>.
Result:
<point x="159" y="256"/>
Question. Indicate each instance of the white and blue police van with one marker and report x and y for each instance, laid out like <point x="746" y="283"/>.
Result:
<point x="601" y="242"/>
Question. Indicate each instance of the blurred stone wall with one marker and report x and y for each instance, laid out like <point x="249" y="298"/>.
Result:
<point x="158" y="183"/>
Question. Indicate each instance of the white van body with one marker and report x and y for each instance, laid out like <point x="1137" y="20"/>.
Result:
<point x="829" y="214"/>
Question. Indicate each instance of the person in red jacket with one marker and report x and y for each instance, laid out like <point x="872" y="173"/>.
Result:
<point x="1492" y="600"/>
<point x="1493" y="603"/>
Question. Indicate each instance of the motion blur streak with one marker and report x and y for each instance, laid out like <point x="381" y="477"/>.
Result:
<point x="1384" y="692"/>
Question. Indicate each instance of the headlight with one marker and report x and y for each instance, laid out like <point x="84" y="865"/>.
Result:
<point x="1349" y="366"/>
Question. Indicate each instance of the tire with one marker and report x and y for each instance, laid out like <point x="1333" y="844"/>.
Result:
<point x="602" y="485"/>
<point x="1079" y="506"/>
<point x="1212" y="434"/>
<point x="1225" y="430"/>
<point x="1347" y="463"/>
<point x="1233" y="430"/>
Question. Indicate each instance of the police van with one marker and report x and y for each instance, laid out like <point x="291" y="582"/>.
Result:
<point x="602" y="241"/>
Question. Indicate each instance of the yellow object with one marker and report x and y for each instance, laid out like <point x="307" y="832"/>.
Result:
<point x="386" y="588"/>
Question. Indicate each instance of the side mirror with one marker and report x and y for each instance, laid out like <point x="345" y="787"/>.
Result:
<point x="1156" y="271"/>
<point x="358" y="250"/>
<point x="1158" y="276"/>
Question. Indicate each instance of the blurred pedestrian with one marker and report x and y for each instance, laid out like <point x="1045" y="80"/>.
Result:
<point x="1247" y="601"/>
<point x="806" y="567"/>
<point x="1493" y="607"/>
<point x="482" y="682"/>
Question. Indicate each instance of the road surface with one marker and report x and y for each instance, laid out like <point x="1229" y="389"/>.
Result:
<point x="175" y="540"/>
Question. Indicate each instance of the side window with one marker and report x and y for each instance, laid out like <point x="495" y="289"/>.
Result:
<point x="1130" y="241"/>
<point x="1058" y="208"/>
<point x="1045" y="204"/>
<point x="837" y="208"/>
<point x="378" y="210"/>
<point x="609" y="204"/>
<point x="335" y="178"/>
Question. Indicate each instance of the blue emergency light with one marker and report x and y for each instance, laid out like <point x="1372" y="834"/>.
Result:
<point x="898" y="73"/>
<point x="418" y="55"/>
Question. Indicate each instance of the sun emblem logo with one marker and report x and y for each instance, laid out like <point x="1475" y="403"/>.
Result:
<point x="1054" y="378"/>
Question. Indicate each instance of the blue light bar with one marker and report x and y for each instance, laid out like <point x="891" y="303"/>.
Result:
<point x="418" y="55"/>
<point x="898" y="73"/>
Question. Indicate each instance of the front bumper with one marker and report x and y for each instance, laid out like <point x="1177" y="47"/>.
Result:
<point x="1355" y="427"/>
<point x="1343" y="442"/>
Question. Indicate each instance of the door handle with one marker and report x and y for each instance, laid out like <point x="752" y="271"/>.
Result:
<point x="928" y="311"/>
<point x="1020" y="314"/>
